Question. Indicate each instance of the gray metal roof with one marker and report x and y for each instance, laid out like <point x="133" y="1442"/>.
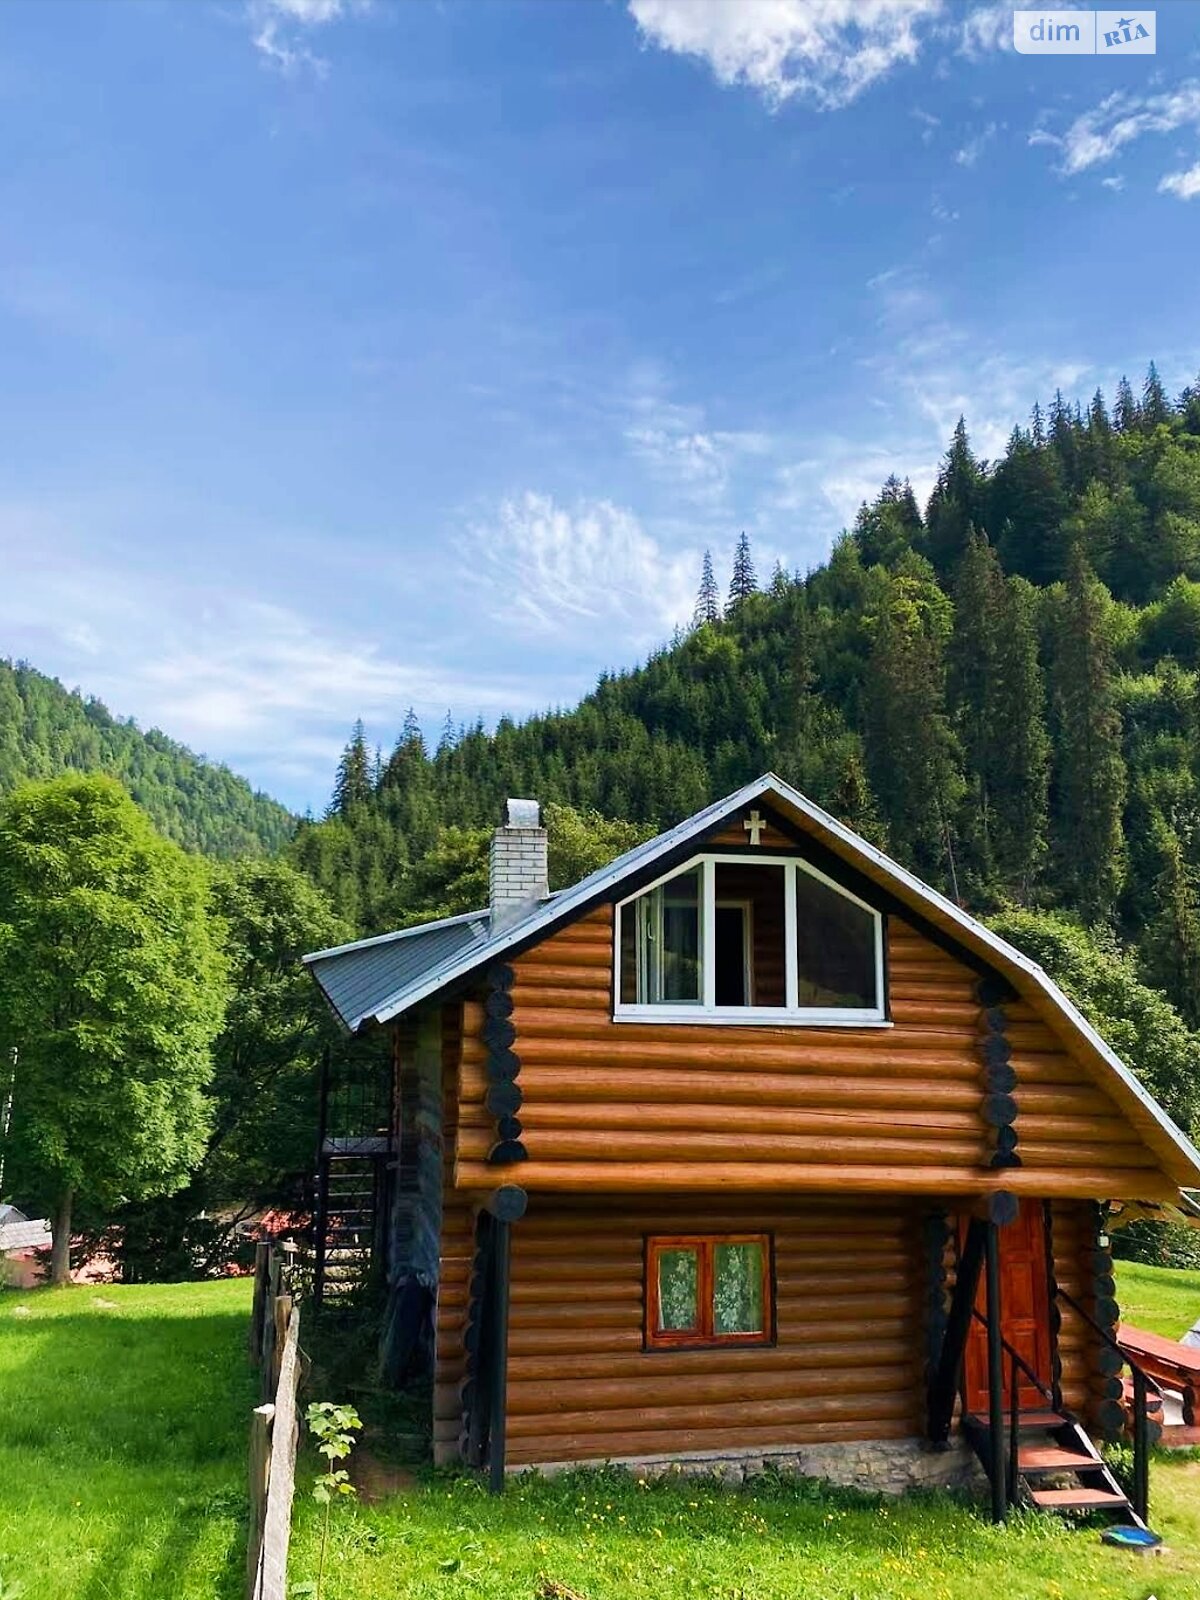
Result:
<point x="353" y="977"/>
<point x="373" y="990"/>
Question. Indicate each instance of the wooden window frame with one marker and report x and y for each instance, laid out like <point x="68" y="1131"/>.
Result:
<point x="707" y="1010"/>
<point x="703" y="1336"/>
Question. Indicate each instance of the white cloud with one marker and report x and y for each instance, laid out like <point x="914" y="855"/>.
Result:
<point x="970" y="152"/>
<point x="255" y="683"/>
<point x="1096" y="136"/>
<point x="279" y="28"/>
<point x="1115" y="183"/>
<point x="1184" y="184"/>
<point x="986" y="28"/>
<point x="554" y="570"/>
<point x="825" y="51"/>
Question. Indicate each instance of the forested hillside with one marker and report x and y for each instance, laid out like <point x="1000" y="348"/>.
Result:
<point x="1002" y="687"/>
<point x="45" y="730"/>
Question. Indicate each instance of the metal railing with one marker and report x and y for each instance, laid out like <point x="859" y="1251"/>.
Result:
<point x="1143" y="1386"/>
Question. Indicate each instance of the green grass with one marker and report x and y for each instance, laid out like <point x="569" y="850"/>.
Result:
<point x="1164" y="1300"/>
<point x="609" y="1539"/>
<point x="124" y="1424"/>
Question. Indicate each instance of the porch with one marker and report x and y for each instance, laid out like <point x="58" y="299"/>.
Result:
<point x="876" y="1359"/>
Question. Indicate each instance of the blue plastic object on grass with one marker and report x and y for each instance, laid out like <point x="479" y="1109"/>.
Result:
<point x="1129" y="1538"/>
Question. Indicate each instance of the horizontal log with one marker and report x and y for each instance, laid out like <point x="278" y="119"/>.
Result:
<point x="1034" y="1036"/>
<point x="528" y="1291"/>
<point x="717" y="1118"/>
<point x="677" y="1441"/>
<point x="1096" y="1155"/>
<point x="1068" y="1128"/>
<point x="683" y="1085"/>
<point x="589" y="951"/>
<point x="797" y="1333"/>
<point x="718" y="1176"/>
<point x="874" y="1141"/>
<point x="738" y="1050"/>
<point x="592" y="1313"/>
<point x="829" y="1212"/>
<point x="554" y="969"/>
<point x="852" y="1353"/>
<point x="647" y="1419"/>
<point x="656" y="1392"/>
<point x="562" y="1259"/>
<point x="545" y="996"/>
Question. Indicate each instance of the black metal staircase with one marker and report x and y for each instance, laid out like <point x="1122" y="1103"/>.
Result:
<point x="1041" y="1457"/>
<point x="1054" y="1465"/>
<point x="356" y="1153"/>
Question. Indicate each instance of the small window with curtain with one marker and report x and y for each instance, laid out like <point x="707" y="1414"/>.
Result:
<point x="708" y="1289"/>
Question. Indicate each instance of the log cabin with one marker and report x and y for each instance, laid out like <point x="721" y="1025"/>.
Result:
<point x="752" y="1147"/>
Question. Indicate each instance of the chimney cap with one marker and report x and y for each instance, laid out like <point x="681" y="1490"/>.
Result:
<point x="522" y="814"/>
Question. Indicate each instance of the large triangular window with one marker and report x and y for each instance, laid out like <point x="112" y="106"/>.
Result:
<point x="740" y="939"/>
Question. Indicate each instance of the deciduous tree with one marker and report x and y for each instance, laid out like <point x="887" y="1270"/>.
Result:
<point x="112" y="990"/>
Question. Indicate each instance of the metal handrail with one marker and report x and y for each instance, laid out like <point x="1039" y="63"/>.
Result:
<point x="1143" y="1383"/>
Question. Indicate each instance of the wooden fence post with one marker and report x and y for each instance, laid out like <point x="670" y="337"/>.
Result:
<point x="260" y="1474"/>
<point x="258" y="1307"/>
<point x="277" y="1523"/>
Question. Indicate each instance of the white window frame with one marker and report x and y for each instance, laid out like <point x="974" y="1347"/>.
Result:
<point x="750" y="1016"/>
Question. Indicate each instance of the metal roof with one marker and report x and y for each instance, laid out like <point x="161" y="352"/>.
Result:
<point x="353" y="977"/>
<point x="372" y="989"/>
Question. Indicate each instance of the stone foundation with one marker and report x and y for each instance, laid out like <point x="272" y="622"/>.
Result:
<point x="878" y="1466"/>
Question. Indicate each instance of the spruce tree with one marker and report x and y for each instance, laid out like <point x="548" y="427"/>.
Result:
<point x="352" y="786"/>
<point x="1171" y="942"/>
<point x="1125" y="411"/>
<point x="708" y="599"/>
<point x="1155" y="408"/>
<point x="912" y="756"/>
<point x="744" y="582"/>
<point x="1089" y="773"/>
<point x="956" y="504"/>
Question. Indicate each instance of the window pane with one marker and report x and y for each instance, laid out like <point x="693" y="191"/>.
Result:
<point x="750" y="935"/>
<point x="738" y="1288"/>
<point x="678" y="1289"/>
<point x="835" y="948"/>
<point x="660" y="944"/>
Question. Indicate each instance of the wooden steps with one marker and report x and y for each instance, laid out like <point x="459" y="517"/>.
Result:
<point x="1059" y="1469"/>
<point x="1079" y="1499"/>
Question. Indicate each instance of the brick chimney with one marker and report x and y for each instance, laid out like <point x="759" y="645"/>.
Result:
<point x="517" y="872"/>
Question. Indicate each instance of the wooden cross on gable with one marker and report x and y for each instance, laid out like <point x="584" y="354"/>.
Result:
<point x="754" y="825"/>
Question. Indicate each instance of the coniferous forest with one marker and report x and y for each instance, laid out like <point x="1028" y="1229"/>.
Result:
<point x="1001" y="688"/>
<point x="46" y="730"/>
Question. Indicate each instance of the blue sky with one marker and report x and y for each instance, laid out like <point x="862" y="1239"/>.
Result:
<point x="358" y="355"/>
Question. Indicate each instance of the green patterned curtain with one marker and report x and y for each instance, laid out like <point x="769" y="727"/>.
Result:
<point x="737" y="1288"/>
<point x="678" y="1289"/>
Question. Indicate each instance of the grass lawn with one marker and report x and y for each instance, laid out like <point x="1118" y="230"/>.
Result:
<point x="125" y="1423"/>
<point x="1165" y="1300"/>
<point x="609" y="1539"/>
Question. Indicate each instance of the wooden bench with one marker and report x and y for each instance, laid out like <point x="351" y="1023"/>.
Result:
<point x="1175" y="1365"/>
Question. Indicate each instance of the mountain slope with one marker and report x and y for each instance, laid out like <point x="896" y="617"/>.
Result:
<point x="46" y="729"/>
<point x="1003" y="689"/>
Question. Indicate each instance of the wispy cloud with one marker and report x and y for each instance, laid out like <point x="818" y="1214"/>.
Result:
<point x="555" y="569"/>
<point x="968" y="153"/>
<point x="682" y="450"/>
<point x="986" y="28"/>
<point x="823" y="51"/>
<point x="280" y="30"/>
<point x="1186" y="185"/>
<point x="1095" y="137"/>
<point x="261" y="684"/>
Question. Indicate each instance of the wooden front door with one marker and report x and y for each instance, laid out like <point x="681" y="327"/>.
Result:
<point x="1024" y="1313"/>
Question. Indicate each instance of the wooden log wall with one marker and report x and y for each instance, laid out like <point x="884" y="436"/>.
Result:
<point x="458" y="1234"/>
<point x="631" y="1106"/>
<point x="846" y="1365"/>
